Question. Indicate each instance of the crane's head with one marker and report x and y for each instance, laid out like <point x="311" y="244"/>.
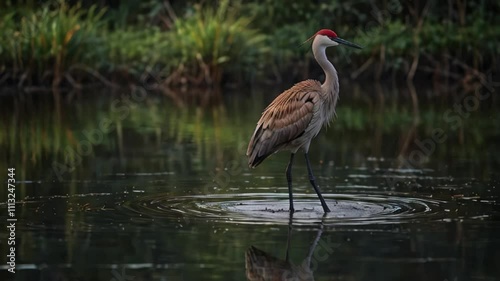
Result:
<point x="329" y="38"/>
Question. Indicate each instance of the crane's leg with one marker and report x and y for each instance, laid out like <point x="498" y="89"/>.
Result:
<point x="289" y="180"/>
<point x="315" y="186"/>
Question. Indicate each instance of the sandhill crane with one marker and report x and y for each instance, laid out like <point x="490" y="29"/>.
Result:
<point x="297" y="115"/>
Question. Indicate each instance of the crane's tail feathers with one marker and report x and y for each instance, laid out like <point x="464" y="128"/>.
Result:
<point x="255" y="160"/>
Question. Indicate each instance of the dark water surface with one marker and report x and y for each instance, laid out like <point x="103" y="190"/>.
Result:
<point x="135" y="185"/>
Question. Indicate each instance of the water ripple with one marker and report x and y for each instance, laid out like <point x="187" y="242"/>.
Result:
<point x="272" y="208"/>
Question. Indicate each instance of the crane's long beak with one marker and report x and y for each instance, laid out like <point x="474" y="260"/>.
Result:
<point x="347" y="43"/>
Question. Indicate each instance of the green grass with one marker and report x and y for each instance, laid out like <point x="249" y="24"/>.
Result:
<point x="45" y="43"/>
<point x="213" y="41"/>
<point x="210" y="43"/>
<point x="53" y="44"/>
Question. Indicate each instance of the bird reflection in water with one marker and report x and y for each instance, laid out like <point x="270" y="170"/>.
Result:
<point x="262" y="266"/>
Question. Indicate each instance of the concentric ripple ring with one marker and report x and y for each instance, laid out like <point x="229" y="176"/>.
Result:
<point x="272" y="208"/>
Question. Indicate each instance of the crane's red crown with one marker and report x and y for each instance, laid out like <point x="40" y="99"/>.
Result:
<point x="327" y="32"/>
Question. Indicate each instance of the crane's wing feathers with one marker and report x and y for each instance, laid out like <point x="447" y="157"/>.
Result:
<point x="284" y="120"/>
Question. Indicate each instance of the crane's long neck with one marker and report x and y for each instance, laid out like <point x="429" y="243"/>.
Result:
<point x="331" y="84"/>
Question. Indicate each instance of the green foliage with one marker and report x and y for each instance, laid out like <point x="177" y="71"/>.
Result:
<point x="212" y="40"/>
<point x="289" y="24"/>
<point x="59" y="37"/>
<point x="200" y="47"/>
<point x="237" y="39"/>
<point x="134" y="51"/>
<point x="399" y="42"/>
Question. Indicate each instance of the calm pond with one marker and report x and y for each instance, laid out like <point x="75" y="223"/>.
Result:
<point x="140" y="185"/>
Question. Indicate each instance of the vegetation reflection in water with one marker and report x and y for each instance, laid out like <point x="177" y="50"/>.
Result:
<point x="157" y="147"/>
<point x="70" y="134"/>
